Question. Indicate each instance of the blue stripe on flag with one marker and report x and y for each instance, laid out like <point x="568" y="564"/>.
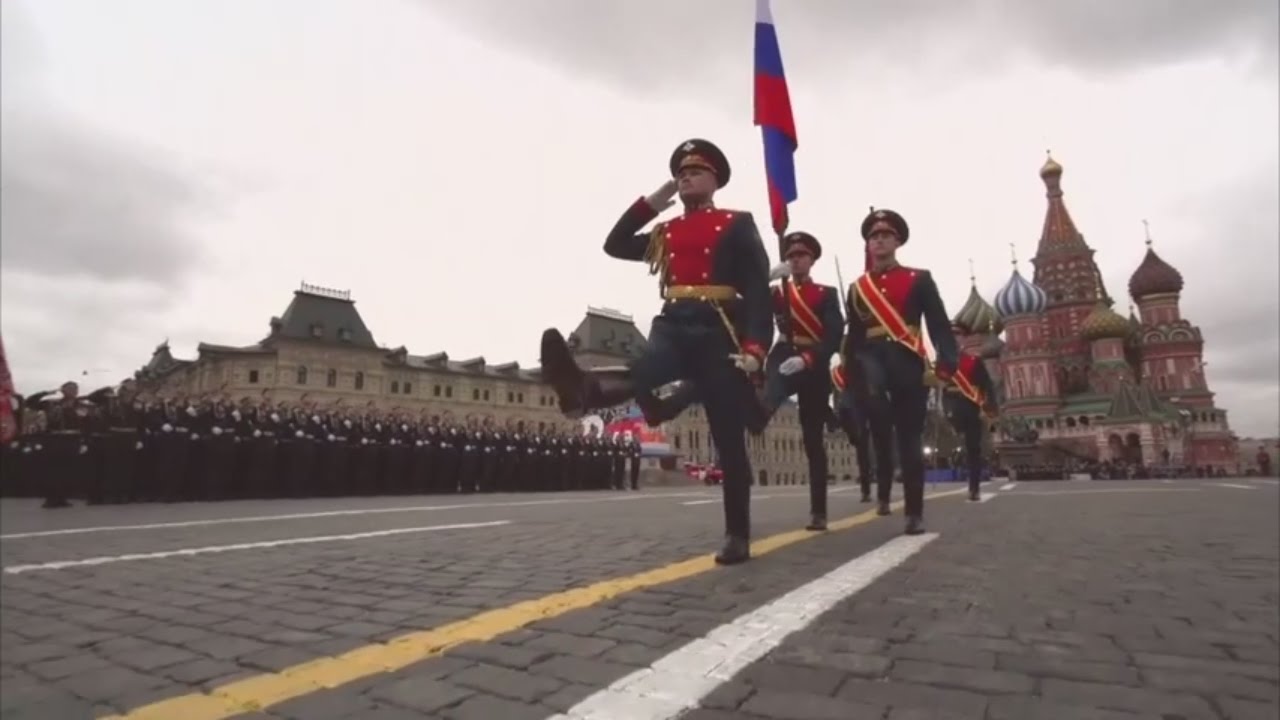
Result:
<point x="768" y="56"/>
<point x="779" y="162"/>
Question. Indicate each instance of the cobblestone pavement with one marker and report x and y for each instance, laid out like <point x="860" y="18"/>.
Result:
<point x="1054" y="600"/>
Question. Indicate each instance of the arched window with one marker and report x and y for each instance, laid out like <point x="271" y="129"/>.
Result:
<point x="302" y="376"/>
<point x="331" y="379"/>
<point x="359" y="381"/>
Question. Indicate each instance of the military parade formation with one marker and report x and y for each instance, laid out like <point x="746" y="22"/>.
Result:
<point x="121" y="446"/>
<point x="713" y="343"/>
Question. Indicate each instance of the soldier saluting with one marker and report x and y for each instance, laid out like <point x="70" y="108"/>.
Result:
<point x="884" y="309"/>
<point x="714" y="278"/>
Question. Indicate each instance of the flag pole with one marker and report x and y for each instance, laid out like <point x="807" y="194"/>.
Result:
<point x="777" y="132"/>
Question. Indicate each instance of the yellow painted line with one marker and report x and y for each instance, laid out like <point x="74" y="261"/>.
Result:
<point x="262" y="691"/>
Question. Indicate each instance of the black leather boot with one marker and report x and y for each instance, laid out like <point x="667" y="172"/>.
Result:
<point x="561" y="372"/>
<point x="817" y="523"/>
<point x="883" y="509"/>
<point x="915" y="525"/>
<point x="734" y="551"/>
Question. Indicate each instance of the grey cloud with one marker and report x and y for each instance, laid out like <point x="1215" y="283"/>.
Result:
<point x="1236" y="302"/>
<point x="77" y="203"/>
<point x="677" y="44"/>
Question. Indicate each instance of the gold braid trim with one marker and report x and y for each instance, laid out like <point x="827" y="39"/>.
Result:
<point x="656" y="254"/>
<point x="733" y="334"/>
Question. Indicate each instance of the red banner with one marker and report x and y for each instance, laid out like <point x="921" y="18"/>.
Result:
<point x="8" y="422"/>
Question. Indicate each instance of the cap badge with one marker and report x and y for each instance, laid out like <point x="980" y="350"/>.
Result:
<point x="687" y="146"/>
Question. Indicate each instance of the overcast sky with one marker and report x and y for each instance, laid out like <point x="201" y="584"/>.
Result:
<point x="173" y="169"/>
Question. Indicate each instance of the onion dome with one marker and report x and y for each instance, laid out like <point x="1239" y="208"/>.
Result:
<point x="991" y="348"/>
<point x="1020" y="297"/>
<point x="1104" y="323"/>
<point x="1051" y="168"/>
<point x="977" y="316"/>
<point x="1154" y="276"/>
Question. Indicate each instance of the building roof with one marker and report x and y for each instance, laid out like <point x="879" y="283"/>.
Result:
<point x="607" y="332"/>
<point x="322" y="315"/>
<point x="467" y="366"/>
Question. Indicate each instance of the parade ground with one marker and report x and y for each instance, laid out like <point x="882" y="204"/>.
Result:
<point x="1102" y="600"/>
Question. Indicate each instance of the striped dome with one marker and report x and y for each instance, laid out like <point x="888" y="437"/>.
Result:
<point x="977" y="316"/>
<point x="1019" y="297"/>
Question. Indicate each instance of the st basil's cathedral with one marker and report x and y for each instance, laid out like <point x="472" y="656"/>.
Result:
<point x="1078" y="380"/>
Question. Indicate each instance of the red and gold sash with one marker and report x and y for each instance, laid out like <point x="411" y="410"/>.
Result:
<point x="888" y="316"/>
<point x="804" y="317"/>
<point x="963" y="381"/>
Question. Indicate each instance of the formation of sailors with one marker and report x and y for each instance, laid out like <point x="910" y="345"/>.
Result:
<point x="127" y="447"/>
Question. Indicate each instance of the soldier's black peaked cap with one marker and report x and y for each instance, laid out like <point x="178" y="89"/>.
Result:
<point x="888" y="216"/>
<point x="701" y="153"/>
<point x="802" y="238"/>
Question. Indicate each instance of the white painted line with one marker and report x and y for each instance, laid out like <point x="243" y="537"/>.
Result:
<point x="1008" y="486"/>
<point x="699" y="502"/>
<point x="1107" y="491"/>
<point x="986" y="497"/>
<point x="62" y="564"/>
<point x="1167" y="481"/>
<point x="339" y="513"/>
<point x="1238" y="487"/>
<point x="1270" y="482"/>
<point x="674" y="684"/>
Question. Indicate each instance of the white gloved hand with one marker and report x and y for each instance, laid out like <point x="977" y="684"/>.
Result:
<point x="779" y="271"/>
<point x="662" y="198"/>
<point x="792" y="365"/>
<point x="745" y="362"/>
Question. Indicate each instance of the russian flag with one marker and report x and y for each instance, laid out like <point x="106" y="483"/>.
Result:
<point x="773" y="115"/>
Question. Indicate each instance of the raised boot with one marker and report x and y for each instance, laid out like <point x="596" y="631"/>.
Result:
<point x="817" y="523"/>
<point x="561" y="372"/>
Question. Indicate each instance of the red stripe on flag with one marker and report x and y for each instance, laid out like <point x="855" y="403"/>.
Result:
<point x="773" y="105"/>
<point x="778" y="210"/>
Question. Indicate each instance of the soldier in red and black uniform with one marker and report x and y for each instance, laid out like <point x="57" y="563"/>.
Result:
<point x="884" y="308"/>
<point x="969" y="404"/>
<point x="714" y="278"/>
<point x="853" y="421"/>
<point x="810" y="326"/>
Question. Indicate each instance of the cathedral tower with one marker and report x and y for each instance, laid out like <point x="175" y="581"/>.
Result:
<point x="1065" y="269"/>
